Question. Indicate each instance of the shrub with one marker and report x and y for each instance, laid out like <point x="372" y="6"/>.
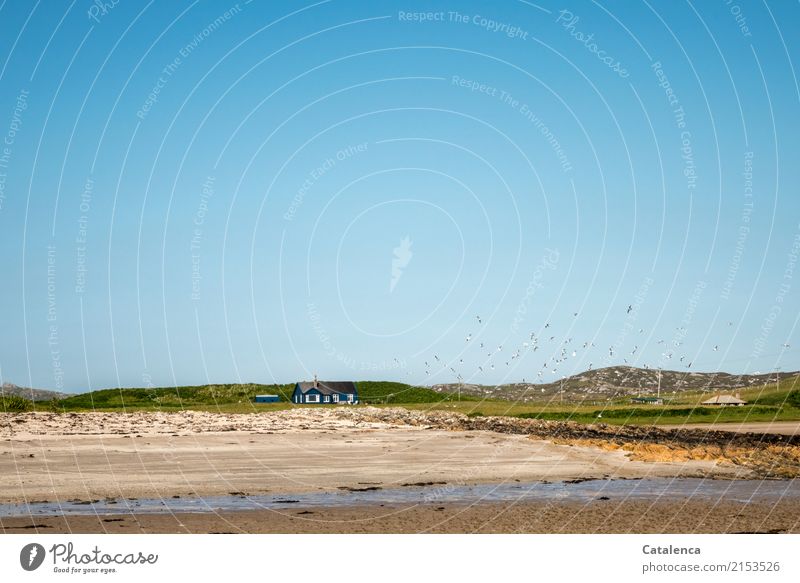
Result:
<point x="14" y="404"/>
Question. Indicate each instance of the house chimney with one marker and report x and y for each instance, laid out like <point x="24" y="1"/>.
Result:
<point x="316" y="384"/>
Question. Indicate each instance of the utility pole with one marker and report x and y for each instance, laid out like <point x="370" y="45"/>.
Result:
<point x="658" y="391"/>
<point x="562" y="390"/>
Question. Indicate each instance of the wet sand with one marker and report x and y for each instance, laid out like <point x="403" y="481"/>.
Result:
<point x="599" y="516"/>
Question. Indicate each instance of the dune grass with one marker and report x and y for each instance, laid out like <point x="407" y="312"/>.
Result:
<point x="773" y="402"/>
<point x="230" y="397"/>
<point x="14" y="404"/>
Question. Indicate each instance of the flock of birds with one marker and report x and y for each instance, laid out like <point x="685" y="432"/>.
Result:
<point x="559" y="351"/>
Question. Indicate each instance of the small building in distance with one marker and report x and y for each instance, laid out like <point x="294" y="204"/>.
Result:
<point x="647" y="400"/>
<point x="725" y="401"/>
<point x="325" y="392"/>
<point x="267" y="399"/>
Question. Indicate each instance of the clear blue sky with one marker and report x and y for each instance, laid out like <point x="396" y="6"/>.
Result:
<point x="197" y="192"/>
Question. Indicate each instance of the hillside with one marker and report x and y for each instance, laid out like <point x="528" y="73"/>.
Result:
<point x="238" y="395"/>
<point x="616" y="382"/>
<point x="28" y="393"/>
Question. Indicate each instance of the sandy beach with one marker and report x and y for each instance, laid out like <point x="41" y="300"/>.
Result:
<point x="112" y="456"/>
<point x="95" y="456"/>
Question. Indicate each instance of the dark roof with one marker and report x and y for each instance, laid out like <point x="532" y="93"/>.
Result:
<point x="328" y="387"/>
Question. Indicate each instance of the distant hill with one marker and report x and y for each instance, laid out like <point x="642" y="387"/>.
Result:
<point x="30" y="394"/>
<point x="615" y="382"/>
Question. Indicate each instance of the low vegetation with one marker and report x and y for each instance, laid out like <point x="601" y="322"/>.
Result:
<point x="234" y="397"/>
<point x="388" y="393"/>
<point x="771" y="402"/>
<point x="206" y="397"/>
<point x="14" y="404"/>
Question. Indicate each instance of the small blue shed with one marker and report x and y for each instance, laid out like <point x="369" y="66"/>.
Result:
<point x="267" y="398"/>
<point x="322" y="392"/>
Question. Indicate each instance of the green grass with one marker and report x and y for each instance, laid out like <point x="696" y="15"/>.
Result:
<point x="389" y="393"/>
<point x="767" y="403"/>
<point x="204" y="397"/>
<point x="672" y="415"/>
<point x="14" y="404"/>
<point x="233" y="398"/>
<point x="616" y="414"/>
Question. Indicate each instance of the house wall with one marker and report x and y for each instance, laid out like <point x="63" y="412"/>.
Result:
<point x="300" y="398"/>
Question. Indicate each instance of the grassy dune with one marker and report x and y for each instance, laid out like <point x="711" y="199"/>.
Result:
<point x="229" y="398"/>
<point x="770" y="402"/>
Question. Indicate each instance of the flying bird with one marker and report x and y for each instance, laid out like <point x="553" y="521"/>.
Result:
<point x="630" y="309"/>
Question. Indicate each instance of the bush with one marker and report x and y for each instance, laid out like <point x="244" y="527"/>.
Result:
<point x="14" y="404"/>
<point x="793" y="399"/>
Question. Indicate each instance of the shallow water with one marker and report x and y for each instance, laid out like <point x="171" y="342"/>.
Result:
<point x="569" y="491"/>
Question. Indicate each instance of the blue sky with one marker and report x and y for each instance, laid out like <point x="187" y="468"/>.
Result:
<point x="218" y="192"/>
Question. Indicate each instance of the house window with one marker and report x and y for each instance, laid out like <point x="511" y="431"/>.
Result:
<point x="350" y="398"/>
<point x="312" y="398"/>
<point x="327" y="399"/>
<point x="335" y="398"/>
